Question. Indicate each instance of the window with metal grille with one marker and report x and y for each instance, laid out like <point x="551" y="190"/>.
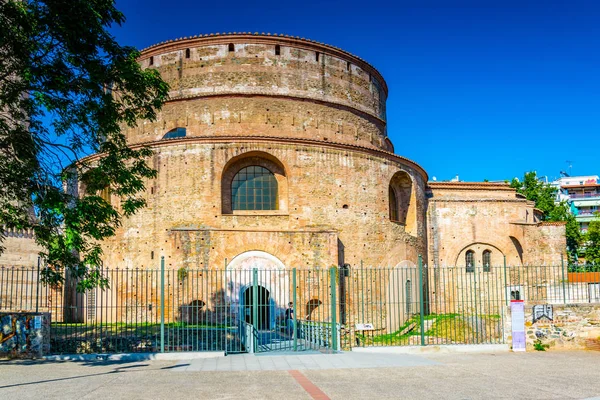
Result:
<point x="393" y="205"/>
<point x="470" y="261"/>
<point x="175" y="133"/>
<point x="254" y="188"/>
<point x="487" y="256"/>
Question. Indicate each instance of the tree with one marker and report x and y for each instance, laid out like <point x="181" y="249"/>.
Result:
<point x="591" y="239"/>
<point x="544" y="196"/>
<point x="67" y="88"/>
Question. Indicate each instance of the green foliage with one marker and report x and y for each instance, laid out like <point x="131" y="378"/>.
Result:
<point x="591" y="239"/>
<point x="67" y="88"/>
<point x="539" y="346"/>
<point x="544" y="195"/>
<point x="182" y="273"/>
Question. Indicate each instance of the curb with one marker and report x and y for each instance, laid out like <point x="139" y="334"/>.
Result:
<point x="443" y="349"/>
<point x="193" y="355"/>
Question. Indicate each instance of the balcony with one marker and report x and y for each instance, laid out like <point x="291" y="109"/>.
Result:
<point x="583" y="195"/>
<point x="587" y="212"/>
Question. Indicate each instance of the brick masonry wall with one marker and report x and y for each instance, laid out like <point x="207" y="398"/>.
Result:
<point x="20" y="249"/>
<point x="477" y="216"/>
<point x="574" y="326"/>
<point x="337" y="202"/>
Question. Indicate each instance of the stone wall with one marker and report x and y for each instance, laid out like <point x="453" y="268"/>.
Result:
<point x="24" y="335"/>
<point x="20" y="249"/>
<point x="574" y="326"/>
<point x="335" y="209"/>
<point x="479" y="216"/>
<point x="257" y="64"/>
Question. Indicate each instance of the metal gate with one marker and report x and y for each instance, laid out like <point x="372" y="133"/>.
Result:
<point x="282" y="310"/>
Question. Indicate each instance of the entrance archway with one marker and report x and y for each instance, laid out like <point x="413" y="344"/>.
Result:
<point x="261" y="270"/>
<point x="263" y="307"/>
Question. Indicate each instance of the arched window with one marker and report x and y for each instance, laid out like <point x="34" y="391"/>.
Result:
<point x="470" y="261"/>
<point x="487" y="260"/>
<point x="231" y="47"/>
<point x="401" y="202"/>
<point x="277" y="50"/>
<point x="187" y="53"/>
<point x="254" y="188"/>
<point x="393" y="204"/>
<point x="151" y="62"/>
<point x="175" y="133"/>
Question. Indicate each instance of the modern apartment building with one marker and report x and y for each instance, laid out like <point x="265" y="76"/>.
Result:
<point x="583" y="194"/>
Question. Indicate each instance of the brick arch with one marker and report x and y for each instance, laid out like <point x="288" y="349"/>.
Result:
<point x="261" y="159"/>
<point x="250" y="242"/>
<point x="504" y="246"/>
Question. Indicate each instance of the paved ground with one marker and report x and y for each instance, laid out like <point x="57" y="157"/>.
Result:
<point x="550" y="375"/>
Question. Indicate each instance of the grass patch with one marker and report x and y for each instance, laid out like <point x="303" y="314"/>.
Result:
<point x="124" y="328"/>
<point x="444" y="328"/>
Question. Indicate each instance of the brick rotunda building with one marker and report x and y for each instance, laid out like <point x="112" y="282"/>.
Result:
<point x="271" y="150"/>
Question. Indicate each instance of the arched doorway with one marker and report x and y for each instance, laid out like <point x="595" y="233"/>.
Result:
<point x="266" y="273"/>
<point x="263" y="307"/>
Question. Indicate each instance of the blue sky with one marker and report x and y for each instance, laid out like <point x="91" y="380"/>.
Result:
<point x="483" y="89"/>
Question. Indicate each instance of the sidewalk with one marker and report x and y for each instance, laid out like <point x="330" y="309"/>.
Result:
<point x="300" y="361"/>
<point x="346" y="376"/>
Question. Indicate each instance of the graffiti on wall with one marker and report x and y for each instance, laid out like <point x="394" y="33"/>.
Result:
<point x="23" y="334"/>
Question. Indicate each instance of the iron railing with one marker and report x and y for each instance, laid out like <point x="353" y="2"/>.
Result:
<point x="171" y="310"/>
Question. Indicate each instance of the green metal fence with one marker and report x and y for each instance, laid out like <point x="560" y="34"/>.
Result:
<point x="249" y="310"/>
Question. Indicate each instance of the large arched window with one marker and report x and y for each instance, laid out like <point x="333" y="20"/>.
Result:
<point x="254" y="188"/>
<point x="393" y="205"/>
<point x="487" y="260"/>
<point x="254" y="181"/>
<point x="470" y="261"/>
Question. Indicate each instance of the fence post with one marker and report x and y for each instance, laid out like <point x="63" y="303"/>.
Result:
<point x="505" y="284"/>
<point x="37" y="288"/>
<point x="421" y="302"/>
<point x="475" y="295"/>
<point x="227" y="309"/>
<point x="564" y="289"/>
<point x="296" y="330"/>
<point x="162" y="304"/>
<point x="255" y="305"/>
<point x="334" y="344"/>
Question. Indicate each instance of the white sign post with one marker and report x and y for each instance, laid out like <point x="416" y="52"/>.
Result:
<point x="517" y="312"/>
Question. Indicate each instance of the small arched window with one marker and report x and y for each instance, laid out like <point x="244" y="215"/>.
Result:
<point x="316" y="56"/>
<point x="470" y="261"/>
<point x="277" y="50"/>
<point x="231" y="47"/>
<point x="175" y="133"/>
<point x="487" y="260"/>
<point x="254" y="188"/>
<point x="187" y="53"/>
<point x="393" y="204"/>
<point x="151" y="62"/>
